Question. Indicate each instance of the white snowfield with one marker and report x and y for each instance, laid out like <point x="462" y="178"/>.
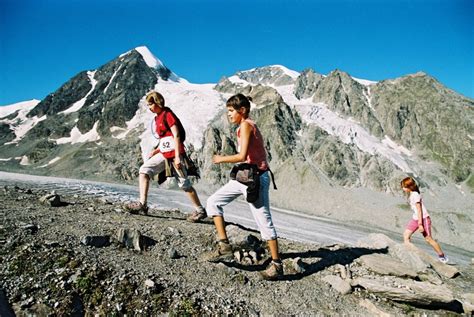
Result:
<point x="197" y="104"/>
<point x="346" y="130"/>
<point x="77" y="137"/>
<point x="21" y="124"/>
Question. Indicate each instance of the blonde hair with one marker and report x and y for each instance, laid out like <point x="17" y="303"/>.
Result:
<point x="410" y="183"/>
<point x="156" y="98"/>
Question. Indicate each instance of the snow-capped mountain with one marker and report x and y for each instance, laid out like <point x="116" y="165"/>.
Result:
<point x="330" y="138"/>
<point x="360" y="132"/>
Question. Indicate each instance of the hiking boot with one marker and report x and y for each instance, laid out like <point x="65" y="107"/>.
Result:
<point x="197" y="215"/>
<point x="273" y="271"/>
<point x="443" y="259"/>
<point x="223" y="252"/>
<point x="136" y="207"/>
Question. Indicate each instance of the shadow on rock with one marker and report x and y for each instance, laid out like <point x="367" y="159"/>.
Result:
<point x="328" y="258"/>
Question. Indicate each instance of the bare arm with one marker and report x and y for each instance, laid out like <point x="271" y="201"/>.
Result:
<point x="420" y="216"/>
<point x="177" y="145"/>
<point x="245" y="132"/>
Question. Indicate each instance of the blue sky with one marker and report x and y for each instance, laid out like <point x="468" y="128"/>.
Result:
<point x="43" y="43"/>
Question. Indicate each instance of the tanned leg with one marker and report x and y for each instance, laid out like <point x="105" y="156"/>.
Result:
<point x="193" y="196"/>
<point x="435" y="245"/>
<point x="220" y="227"/>
<point x="144" y="185"/>
<point x="273" y="246"/>
<point x="407" y="236"/>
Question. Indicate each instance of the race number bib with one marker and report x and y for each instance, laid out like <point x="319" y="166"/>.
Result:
<point x="167" y="144"/>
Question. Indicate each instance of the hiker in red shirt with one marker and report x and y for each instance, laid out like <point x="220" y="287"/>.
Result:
<point x="170" y="150"/>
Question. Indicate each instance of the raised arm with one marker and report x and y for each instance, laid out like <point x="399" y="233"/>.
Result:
<point x="245" y="132"/>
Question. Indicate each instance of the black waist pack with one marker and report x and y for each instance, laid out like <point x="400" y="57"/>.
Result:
<point x="249" y="175"/>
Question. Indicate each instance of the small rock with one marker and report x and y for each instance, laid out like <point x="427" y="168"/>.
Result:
<point x="298" y="265"/>
<point x="130" y="238"/>
<point x="104" y="200"/>
<point x="51" y="244"/>
<point x="174" y="231"/>
<point x="253" y="256"/>
<point x="96" y="241"/>
<point x="348" y="272"/>
<point x="246" y="261"/>
<point x="149" y="283"/>
<point x="341" y="269"/>
<point x="340" y="285"/>
<point x="31" y="227"/>
<point x="173" y="254"/>
<point x="52" y="199"/>
<point x="27" y="303"/>
<point x="238" y="255"/>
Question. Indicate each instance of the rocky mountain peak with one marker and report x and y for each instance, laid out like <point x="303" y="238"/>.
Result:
<point x="276" y="74"/>
<point x="419" y="74"/>
<point x="307" y="83"/>
<point x="150" y="59"/>
<point x="153" y="62"/>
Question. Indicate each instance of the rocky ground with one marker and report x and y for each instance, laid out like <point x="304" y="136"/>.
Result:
<point x="83" y="255"/>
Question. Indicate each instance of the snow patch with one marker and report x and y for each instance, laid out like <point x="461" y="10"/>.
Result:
<point x="111" y="80"/>
<point x="346" y="130"/>
<point x="77" y="137"/>
<point x="79" y="104"/>
<point x="365" y="82"/>
<point x="24" y="106"/>
<point x="26" y="124"/>
<point x="21" y="124"/>
<point x="237" y="80"/>
<point x="368" y="97"/>
<point x="24" y="160"/>
<point x="350" y="132"/>
<point x="293" y="74"/>
<point x="149" y="58"/>
<point x="119" y="133"/>
<point x="396" y="147"/>
<point x="54" y="160"/>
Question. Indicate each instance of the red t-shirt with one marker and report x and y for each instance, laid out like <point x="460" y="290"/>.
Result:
<point x="167" y="145"/>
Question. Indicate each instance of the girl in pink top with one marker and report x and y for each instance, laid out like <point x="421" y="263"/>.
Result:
<point x="421" y="220"/>
<point x="250" y="150"/>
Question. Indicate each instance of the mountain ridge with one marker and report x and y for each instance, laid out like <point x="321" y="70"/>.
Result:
<point x="321" y="130"/>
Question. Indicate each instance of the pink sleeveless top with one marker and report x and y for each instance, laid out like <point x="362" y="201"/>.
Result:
<point x="256" y="152"/>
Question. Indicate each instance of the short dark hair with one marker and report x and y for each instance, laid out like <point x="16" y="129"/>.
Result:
<point x="238" y="101"/>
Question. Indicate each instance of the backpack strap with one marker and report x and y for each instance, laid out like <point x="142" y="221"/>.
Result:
<point x="273" y="178"/>
<point x="165" y="122"/>
<point x="271" y="174"/>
